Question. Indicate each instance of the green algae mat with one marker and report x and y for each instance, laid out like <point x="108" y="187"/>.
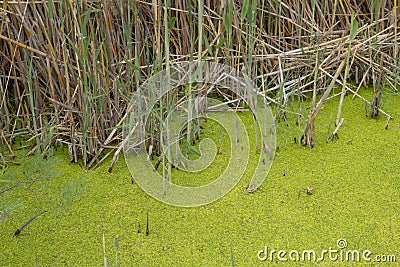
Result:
<point x="335" y="204"/>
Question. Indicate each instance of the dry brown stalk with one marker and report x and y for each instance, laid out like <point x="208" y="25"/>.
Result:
<point x="81" y="61"/>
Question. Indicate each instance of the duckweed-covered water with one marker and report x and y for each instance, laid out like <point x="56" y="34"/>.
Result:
<point x="355" y="182"/>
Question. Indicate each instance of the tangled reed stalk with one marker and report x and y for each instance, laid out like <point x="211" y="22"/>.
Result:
<point x="68" y="69"/>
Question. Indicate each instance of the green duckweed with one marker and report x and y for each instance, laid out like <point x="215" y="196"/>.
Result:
<point x="355" y="183"/>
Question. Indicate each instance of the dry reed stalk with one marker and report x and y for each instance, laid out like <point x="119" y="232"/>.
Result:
<point x="88" y="57"/>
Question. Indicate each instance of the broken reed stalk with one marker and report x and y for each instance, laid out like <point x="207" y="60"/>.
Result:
<point x="335" y="132"/>
<point x="28" y="222"/>
<point x="353" y="32"/>
<point x="116" y="250"/>
<point x="308" y="135"/>
<point x="122" y="145"/>
<point x="147" y="224"/>
<point x="4" y="141"/>
<point x="86" y="58"/>
<point x="104" y="251"/>
<point x="9" y="188"/>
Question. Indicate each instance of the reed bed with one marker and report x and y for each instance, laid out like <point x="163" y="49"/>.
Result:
<point x="68" y="69"/>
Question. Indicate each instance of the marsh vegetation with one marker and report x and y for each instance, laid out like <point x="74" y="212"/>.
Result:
<point x="355" y="196"/>
<point x="69" y="68"/>
<point x="69" y="71"/>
